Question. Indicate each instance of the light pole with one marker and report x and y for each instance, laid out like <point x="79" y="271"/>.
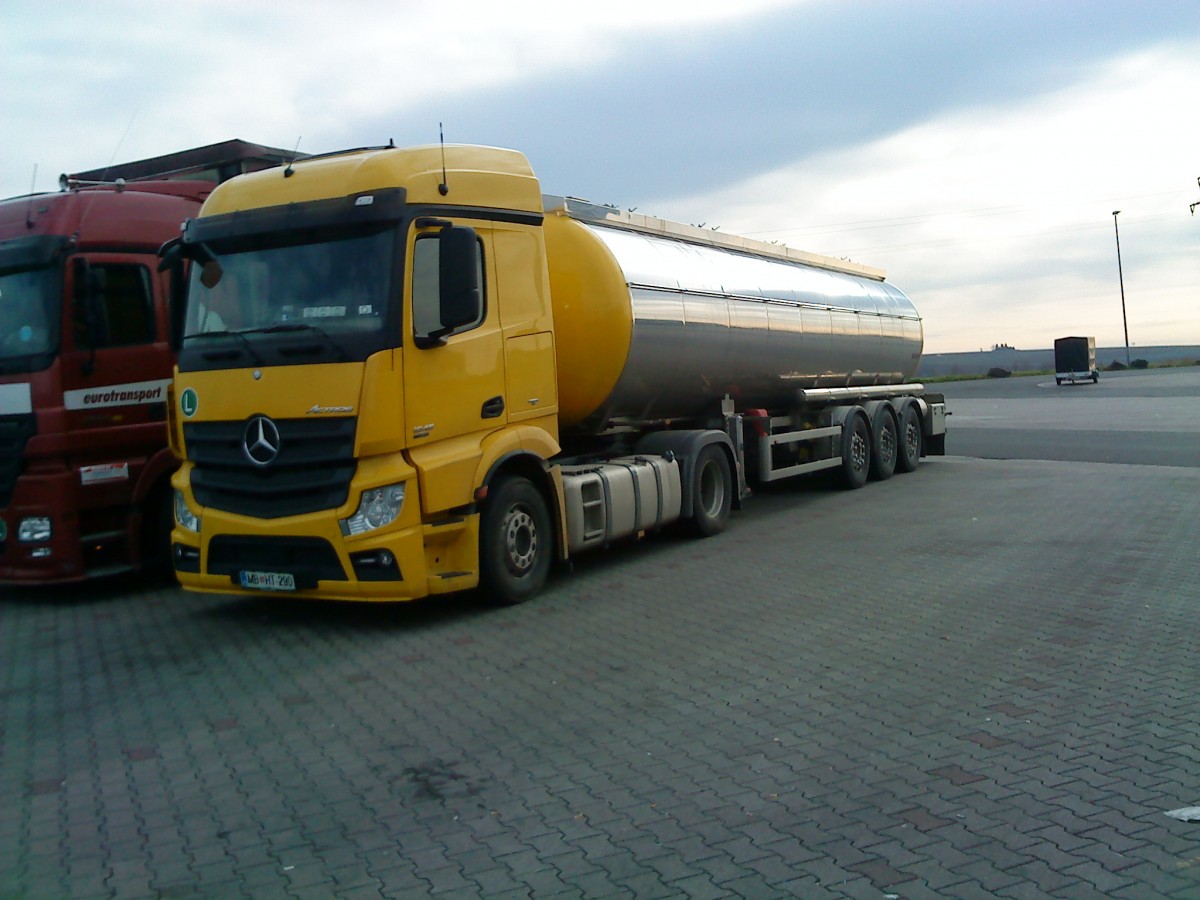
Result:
<point x="1121" y="276"/>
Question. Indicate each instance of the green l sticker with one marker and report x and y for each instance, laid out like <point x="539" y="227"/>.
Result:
<point x="188" y="401"/>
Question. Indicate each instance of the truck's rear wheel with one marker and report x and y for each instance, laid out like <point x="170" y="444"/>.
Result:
<point x="516" y="541"/>
<point x="884" y="445"/>
<point x="911" y="438"/>
<point x="909" y="456"/>
<point x="856" y="450"/>
<point x="712" y="492"/>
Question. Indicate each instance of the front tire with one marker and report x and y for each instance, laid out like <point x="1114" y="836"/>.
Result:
<point x="158" y="518"/>
<point x="516" y="541"/>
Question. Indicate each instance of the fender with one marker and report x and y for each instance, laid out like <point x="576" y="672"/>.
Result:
<point x="515" y="441"/>
<point x="158" y="469"/>
<point x="530" y="449"/>
<point x="877" y="408"/>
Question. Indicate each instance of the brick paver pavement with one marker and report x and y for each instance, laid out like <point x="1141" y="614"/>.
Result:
<point x="976" y="680"/>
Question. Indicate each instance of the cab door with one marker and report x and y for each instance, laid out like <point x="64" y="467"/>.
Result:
<point x="116" y="365"/>
<point x="454" y="385"/>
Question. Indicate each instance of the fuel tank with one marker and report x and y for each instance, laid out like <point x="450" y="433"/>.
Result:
<point x="655" y="320"/>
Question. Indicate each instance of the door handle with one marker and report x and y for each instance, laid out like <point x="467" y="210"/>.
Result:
<point x="492" y="408"/>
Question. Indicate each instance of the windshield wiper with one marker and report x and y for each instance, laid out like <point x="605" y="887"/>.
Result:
<point x="237" y="334"/>
<point x="300" y="326"/>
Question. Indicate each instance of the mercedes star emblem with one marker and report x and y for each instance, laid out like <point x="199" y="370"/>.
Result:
<point x="260" y="441"/>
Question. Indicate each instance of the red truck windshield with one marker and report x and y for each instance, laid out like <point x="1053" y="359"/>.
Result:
<point x="29" y="304"/>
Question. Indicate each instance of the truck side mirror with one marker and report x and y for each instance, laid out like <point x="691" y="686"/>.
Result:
<point x="458" y="277"/>
<point x="177" y="303"/>
<point x="91" y="315"/>
<point x="172" y="261"/>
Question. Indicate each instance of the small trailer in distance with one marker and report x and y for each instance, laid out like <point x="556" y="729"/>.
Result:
<point x="1075" y="360"/>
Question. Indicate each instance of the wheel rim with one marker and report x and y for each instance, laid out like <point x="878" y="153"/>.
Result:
<point x="912" y="439"/>
<point x="520" y="540"/>
<point x="887" y="445"/>
<point x="712" y="489"/>
<point x="858" y="451"/>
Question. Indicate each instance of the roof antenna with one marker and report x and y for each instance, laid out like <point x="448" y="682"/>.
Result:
<point x="120" y="185"/>
<point x="29" y="208"/>
<point x="289" y="171"/>
<point x="443" y="188"/>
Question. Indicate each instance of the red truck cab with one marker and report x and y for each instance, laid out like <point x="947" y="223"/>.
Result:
<point x="86" y="363"/>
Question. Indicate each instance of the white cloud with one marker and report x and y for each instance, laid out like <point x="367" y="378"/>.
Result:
<point x="89" y="83"/>
<point x="997" y="221"/>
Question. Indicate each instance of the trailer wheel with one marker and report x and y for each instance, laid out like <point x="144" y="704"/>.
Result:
<point x="712" y="492"/>
<point x="884" y="441"/>
<point x="516" y="541"/>
<point x="909" y="456"/>
<point x="856" y="450"/>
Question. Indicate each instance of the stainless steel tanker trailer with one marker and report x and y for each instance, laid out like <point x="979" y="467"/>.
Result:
<point x="519" y="377"/>
<point x="790" y="362"/>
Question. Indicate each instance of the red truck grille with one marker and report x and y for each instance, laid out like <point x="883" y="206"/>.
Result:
<point x="14" y="432"/>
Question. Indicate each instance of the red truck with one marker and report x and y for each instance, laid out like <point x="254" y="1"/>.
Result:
<point x="85" y="364"/>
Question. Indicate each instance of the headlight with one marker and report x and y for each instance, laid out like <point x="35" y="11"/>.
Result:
<point x="376" y="507"/>
<point x="184" y="516"/>
<point x="34" y="530"/>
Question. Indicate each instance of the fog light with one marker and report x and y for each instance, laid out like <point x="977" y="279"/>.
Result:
<point x="34" y="530"/>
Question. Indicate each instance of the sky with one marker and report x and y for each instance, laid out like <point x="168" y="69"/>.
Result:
<point x="973" y="150"/>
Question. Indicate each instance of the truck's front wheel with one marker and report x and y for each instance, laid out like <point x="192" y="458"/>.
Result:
<point x="158" y="518"/>
<point x="516" y="541"/>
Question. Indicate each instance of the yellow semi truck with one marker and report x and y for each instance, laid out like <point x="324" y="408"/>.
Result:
<point x="405" y="371"/>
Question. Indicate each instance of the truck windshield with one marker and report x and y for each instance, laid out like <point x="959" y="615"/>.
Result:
<point x="28" y="311"/>
<point x="338" y="285"/>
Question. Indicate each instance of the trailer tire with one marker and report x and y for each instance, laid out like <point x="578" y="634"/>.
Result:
<point x="712" y="492"/>
<point x="908" y="456"/>
<point x="856" y="450"/>
<point x="516" y="541"/>
<point x="884" y="444"/>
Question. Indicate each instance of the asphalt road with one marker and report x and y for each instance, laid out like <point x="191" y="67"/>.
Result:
<point x="1148" y="417"/>
<point x="975" y="680"/>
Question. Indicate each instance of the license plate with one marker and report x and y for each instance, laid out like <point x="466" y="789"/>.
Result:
<point x="268" y="581"/>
